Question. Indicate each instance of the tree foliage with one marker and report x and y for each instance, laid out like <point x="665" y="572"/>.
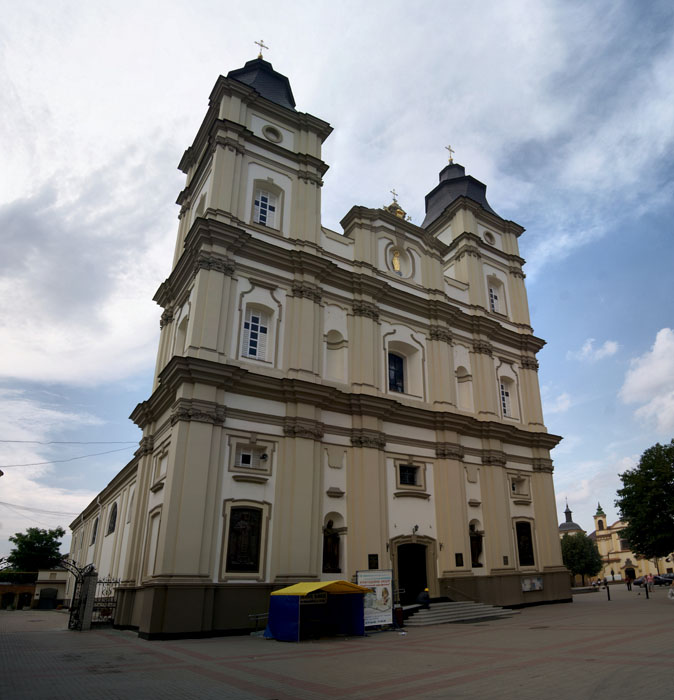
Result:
<point x="646" y="503"/>
<point x="35" y="549"/>
<point x="580" y="555"/>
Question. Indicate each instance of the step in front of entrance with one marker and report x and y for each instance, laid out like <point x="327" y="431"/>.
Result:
<point x="443" y="613"/>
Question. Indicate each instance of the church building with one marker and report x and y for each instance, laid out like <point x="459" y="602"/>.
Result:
<point x="324" y="401"/>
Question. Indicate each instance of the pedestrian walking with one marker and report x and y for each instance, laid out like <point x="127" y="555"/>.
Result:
<point x="628" y="581"/>
<point x="649" y="582"/>
<point x="670" y="592"/>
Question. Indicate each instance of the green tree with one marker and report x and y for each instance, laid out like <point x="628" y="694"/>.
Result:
<point x="646" y="503"/>
<point x="580" y="555"/>
<point x="35" y="549"/>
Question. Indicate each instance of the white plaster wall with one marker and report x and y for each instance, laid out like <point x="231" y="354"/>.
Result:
<point x="404" y="513"/>
<point x="257" y="123"/>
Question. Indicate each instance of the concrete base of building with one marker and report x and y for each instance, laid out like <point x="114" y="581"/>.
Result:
<point x="183" y="611"/>
<point x="508" y="589"/>
<point x="180" y="611"/>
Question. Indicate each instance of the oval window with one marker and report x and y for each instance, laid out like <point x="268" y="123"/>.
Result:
<point x="271" y="133"/>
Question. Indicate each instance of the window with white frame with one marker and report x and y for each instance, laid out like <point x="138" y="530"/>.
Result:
<point x="251" y="457"/>
<point x="505" y="398"/>
<point x="264" y="208"/>
<point x="494" y="298"/>
<point x="255" y="332"/>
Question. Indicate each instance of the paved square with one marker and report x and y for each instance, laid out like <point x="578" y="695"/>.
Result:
<point x="591" y="648"/>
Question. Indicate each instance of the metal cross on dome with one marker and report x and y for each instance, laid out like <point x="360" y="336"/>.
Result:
<point x="395" y="194"/>
<point x="451" y="153"/>
<point x="261" y="44"/>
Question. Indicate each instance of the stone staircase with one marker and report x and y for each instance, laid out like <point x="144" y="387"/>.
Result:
<point x="442" y="613"/>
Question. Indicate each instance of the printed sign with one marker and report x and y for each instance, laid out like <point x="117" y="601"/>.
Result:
<point x="378" y="603"/>
<point x="534" y="583"/>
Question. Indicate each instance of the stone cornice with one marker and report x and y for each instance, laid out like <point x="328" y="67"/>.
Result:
<point x="440" y="333"/>
<point x="482" y="214"/>
<point x="197" y="410"/>
<point x="543" y="465"/>
<point x="212" y="261"/>
<point x="365" y="308"/>
<point x="494" y="458"/>
<point x="368" y="438"/>
<point x="305" y="290"/>
<point x="529" y="363"/>
<point x="308" y="262"/>
<point x="284" y="390"/>
<point x="166" y="318"/>
<point x="363" y="217"/>
<point x="448" y="450"/>
<point x="303" y="428"/>
<point x="483" y="348"/>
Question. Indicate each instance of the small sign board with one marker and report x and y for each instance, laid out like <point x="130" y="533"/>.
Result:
<point x="379" y="603"/>
<point x="532" y="583"/>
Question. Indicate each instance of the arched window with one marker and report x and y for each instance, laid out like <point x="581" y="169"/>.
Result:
<point x="267" y="204"/>
<point x="112" y="520"/>
<point x="496" y="298"/>
<point x="600" y="524"/>
<point x="94" y="532"/>
<point x="255" y="333"/>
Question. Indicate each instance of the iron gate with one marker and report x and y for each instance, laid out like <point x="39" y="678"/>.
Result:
<point x="105" y="602"/>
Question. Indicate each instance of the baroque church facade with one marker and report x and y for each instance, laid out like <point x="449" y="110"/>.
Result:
<point x="326" y="402"/>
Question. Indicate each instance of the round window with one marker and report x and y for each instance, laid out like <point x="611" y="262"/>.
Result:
<point x="271" y="133"/>
<point x="489" y="237"/>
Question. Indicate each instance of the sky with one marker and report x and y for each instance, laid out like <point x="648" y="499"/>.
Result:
<point x="564" y="109"/>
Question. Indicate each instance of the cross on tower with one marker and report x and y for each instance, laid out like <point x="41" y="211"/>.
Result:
<point x="261" y="45"/>
<point x="451" y="153"/>
<point x="395" y="194"/>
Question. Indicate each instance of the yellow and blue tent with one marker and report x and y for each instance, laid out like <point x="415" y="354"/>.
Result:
<point x="312" y="609"/>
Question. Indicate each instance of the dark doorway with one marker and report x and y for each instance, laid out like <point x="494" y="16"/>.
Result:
<point x="411" y="571"/>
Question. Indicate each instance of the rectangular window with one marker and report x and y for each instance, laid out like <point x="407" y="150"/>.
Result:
<point x="458" y="557"/>
<point x="244" y="538"/>
<point x="251" y="457"/>
<point x="396" y="373"/>
<point x="265" y="208"/>
<point x="408" y="475"/>
<point x="493" y="299"/>
<point x="525" y="543"/>
<point x="254" y="342"/>
<point x="505" y="400"/>
<point x="152" y="539"/>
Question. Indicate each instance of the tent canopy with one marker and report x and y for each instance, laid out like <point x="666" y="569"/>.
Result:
<point x="295" y="613"/>
<point x="306" y="587"/>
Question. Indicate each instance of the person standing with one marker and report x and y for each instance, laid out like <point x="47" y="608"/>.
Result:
<point x="649" y="582"/>
<point x="628" y="581"/>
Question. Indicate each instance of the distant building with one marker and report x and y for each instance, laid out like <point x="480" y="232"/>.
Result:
<point x="326" y="402"/>
<point x="619" y="560"/>
<point x="568" y="527"/>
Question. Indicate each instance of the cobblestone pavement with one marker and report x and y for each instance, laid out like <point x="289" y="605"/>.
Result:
<point x="591" y="648"/>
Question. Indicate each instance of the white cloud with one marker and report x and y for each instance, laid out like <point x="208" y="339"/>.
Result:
<point x="561" y="404"/>
<point x="650" y="382"/>
<point x="23" y="418"/>
<point x="589" y="353"/>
